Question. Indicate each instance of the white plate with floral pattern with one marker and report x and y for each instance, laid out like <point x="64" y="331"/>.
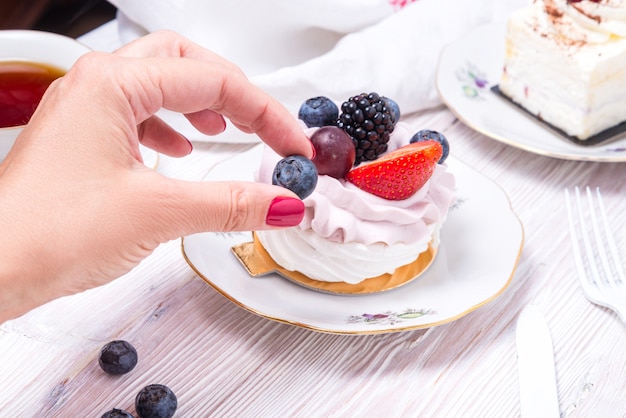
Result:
<point x="481" y="243"/>
<point x="470" y="67"/>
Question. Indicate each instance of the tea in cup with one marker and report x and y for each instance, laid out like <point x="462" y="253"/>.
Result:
<point x="29" y="62"/>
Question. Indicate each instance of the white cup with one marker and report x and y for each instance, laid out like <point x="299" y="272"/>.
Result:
<point x="40" y="47"/>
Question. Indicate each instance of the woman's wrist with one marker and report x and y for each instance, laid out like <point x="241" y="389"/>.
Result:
<point x="16" y="297"/>
<point x="24" y="282"/>
<point x="20" y="275"/>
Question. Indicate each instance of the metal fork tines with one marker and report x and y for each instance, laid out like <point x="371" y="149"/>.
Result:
<point x="595" y="252"/>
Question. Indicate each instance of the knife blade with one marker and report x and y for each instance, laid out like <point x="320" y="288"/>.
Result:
<point x="535" y="363"/>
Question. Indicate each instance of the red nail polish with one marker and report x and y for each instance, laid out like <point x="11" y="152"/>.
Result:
<point x="314" y="152"/>
<point x="285" y="211"/>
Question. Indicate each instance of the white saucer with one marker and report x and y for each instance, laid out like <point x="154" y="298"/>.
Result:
<point x="480" y="248"/>
<point x="469" y="68"/>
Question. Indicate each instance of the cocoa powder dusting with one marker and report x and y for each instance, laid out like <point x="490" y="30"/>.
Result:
<point x="596" y="18"/>
<point x="557" y="17"/>
<point x="552" y="11"/>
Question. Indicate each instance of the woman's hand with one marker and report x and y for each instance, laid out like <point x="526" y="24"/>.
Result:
<point x="77" y="206"/>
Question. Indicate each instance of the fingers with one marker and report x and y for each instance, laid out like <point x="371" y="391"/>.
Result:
<point x="207" y="122"/>
<point x="183" y="208"/>
<point x="165" y="44"/>
<point x="191" y="79"/>
<point x="159" y="136"/>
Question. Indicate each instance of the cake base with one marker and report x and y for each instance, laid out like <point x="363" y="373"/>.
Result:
<point x="258" y="263"/>
<point x="605" y="136"/>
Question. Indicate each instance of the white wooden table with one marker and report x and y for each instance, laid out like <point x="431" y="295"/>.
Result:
<point x="222" y="360"/>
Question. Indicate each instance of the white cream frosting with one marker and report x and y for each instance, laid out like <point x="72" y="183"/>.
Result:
<point x="566" y="63"/>
<point x="348" y="235"/>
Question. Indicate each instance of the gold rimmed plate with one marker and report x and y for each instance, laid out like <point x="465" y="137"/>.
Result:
<point x="481" y="243"/>
<point x="467" y="73"/>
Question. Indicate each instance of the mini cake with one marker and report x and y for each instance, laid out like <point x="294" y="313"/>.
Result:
<point x="565" y="63"/>
<point x="356" y="227"/>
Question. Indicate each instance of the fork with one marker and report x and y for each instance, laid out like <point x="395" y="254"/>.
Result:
<point x="595" y="253"/>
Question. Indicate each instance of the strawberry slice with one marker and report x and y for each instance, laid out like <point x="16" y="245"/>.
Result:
<point x="399" y="174"/>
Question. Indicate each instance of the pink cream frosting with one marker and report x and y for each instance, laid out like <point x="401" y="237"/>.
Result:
<point x="341" y="213"/>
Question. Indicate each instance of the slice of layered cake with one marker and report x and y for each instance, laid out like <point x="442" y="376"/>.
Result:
<point x="565" y="63"/>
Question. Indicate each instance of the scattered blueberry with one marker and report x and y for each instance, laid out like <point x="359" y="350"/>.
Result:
<point x="118" y="357"/>
<point x="156" y="401"/>
<point x="117" y="413"/>
<point x="296" y="173"/>
<point x="393" y="106"/>
<point x="318" y="111"/>
<point x="427" y="135"/>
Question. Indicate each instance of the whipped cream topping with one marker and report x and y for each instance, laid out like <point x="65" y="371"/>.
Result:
<point x="582" y="22"/>
<point x="349" y="235"/>
<point x="301" y="250"/>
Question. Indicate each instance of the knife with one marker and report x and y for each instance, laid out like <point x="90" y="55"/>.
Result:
<point x="535" y="362"/>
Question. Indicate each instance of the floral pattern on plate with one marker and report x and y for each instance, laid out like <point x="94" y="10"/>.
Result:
<point x="474" y="83"/>
<point x="389" y="318"/>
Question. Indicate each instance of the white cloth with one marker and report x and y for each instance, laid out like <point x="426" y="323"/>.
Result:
<point x="296" y="49"/>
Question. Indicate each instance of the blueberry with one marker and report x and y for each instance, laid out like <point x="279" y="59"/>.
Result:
<point x="117" y="413"/>
<point x="156" y="401"/>
<point x="118" y="357"/>
<point x="427" y="135"/>
<point x="395" y="109"/>
<point x="296" y="173"/>
<point x="318" y="111"/>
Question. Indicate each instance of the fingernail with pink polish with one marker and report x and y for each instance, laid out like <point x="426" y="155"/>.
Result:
<point x="285" y="211"/>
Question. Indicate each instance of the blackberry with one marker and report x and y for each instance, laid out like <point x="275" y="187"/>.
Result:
<point x="369" y="122"/>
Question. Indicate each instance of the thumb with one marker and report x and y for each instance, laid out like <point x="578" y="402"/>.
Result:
<point x="190" y="207"/>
